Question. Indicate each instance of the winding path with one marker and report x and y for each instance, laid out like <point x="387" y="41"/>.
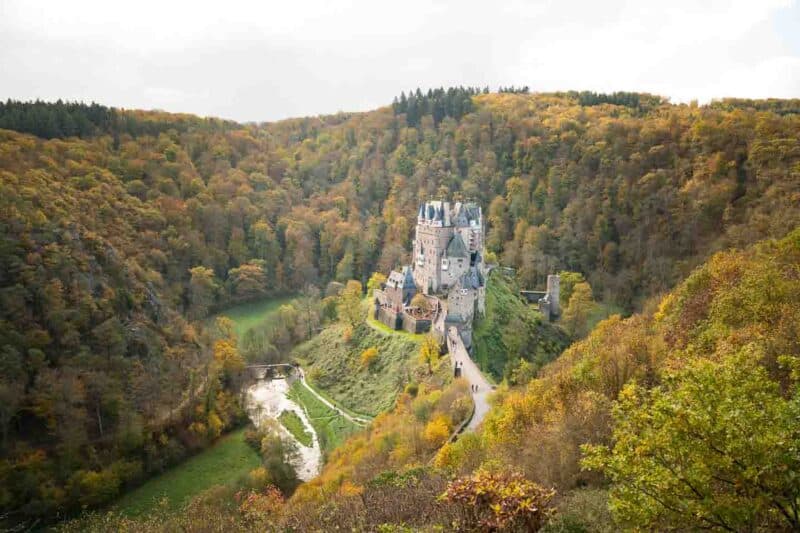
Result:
<point x="471" y="372"/>
<point x="354" y="419"/>
<point x="357" y="420"/>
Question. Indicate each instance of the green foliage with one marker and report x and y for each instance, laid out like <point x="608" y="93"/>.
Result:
<point x="68" y="119"/>
<point x="567" y="282"/>
<point x="513" y="331"/>
<point x="577" y="314"/>
<point x="349" y="308"/>
<point x="438" y="103"/>
<point x="582" y="511"/>
<point x="637" y="101"/>
<point x="277" y="455"/>
<point x="714" y="447"/>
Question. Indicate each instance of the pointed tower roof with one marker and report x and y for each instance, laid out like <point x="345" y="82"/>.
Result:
<point x="456" y="247"/>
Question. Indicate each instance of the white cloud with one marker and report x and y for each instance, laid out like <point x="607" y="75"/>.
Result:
<point x="268" y="60"/>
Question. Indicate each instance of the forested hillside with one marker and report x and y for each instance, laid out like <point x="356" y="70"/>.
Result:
<point x="120" y="229"/>
<point x="684" y="416"/>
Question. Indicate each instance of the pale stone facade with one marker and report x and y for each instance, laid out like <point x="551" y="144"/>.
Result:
<point x="447" y="266"/>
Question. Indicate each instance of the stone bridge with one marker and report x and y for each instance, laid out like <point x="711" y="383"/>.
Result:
<point x="533" y="296"/>
<point x="267" y="368"/>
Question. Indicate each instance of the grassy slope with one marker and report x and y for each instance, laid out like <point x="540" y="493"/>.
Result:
<point x="295" y="426"/>
<point x="226" y="461"/>
<point x="333" y="366"/>
<point x="332" y="428"/>
<point x="250" y="314"/>
<point x="509" y="317"/>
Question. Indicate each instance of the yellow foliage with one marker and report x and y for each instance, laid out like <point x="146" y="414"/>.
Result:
<point x="400" y="454"/>
<point x="227" y="355"/>
<point x="226" y="327"/>
<point x="369" y="356"/>
<point x="350" y="489"/>
<point x="437" y="430"/>
<point x="447" y="457"/>
<point x="259" y="477"/>
<point x="214" y="425"/>
<point x="198" y="428"/>
<point x="375" y="282"/>
<point x="349" y="307"/>
<point x="429" y="352"/>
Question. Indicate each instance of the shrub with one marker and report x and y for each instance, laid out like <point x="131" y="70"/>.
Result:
<point x="437" y="430"/>
<point x="500" y="501"/>
<point x="368" y="357"/>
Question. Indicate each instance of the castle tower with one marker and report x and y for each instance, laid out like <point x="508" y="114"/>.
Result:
<point x="553" y="289"/>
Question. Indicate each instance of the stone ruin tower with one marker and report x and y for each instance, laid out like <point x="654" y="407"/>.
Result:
<point x="549" y="304"/>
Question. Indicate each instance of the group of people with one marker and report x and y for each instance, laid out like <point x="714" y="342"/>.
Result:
<point x="457" y="371"/>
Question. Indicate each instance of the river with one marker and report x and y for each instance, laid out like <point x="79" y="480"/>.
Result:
<point x="267" y="399"/>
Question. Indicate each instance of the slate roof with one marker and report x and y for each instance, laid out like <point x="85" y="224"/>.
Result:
<point x="456" y="247"/>
<point x="471" y="279"/>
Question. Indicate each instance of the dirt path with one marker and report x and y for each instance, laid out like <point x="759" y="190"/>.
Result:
<point x="470" y="372"/>
<point x="359" y="421"/>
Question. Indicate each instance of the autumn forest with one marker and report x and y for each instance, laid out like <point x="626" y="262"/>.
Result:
<point x="666" y="396"/>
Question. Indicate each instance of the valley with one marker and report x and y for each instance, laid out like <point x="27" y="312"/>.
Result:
<point x="153" y="267"/>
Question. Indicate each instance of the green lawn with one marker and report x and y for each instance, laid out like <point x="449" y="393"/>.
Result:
<point x="380" y="326"/>
<point x="332" y="428"/>
<point x="295" y="426"/>
<point x="248" y="315"/>
<point x="226" y="461"/>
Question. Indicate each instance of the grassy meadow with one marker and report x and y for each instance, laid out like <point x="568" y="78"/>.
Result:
<point x="224" y="462"/>
<point x="248" y="315"/>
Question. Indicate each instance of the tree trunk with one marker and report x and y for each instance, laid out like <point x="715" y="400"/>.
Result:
<point x="99" y="418"/>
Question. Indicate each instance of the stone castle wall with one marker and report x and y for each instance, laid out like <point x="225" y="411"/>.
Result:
<point x="416" y="325"/>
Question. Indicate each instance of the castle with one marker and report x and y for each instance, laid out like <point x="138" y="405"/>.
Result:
<point x="448" y="274"/>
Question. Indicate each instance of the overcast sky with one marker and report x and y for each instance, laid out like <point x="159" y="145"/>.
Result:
<point x="267" y="60"/>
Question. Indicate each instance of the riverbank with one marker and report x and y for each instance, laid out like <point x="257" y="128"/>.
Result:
<point x="268" y="400"/>
<point x="331" y="427"/>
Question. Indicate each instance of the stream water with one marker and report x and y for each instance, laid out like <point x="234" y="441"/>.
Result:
<point x="267" y="399"/>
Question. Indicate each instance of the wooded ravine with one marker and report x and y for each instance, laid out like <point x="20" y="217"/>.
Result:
<point x="673" y="227"/>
